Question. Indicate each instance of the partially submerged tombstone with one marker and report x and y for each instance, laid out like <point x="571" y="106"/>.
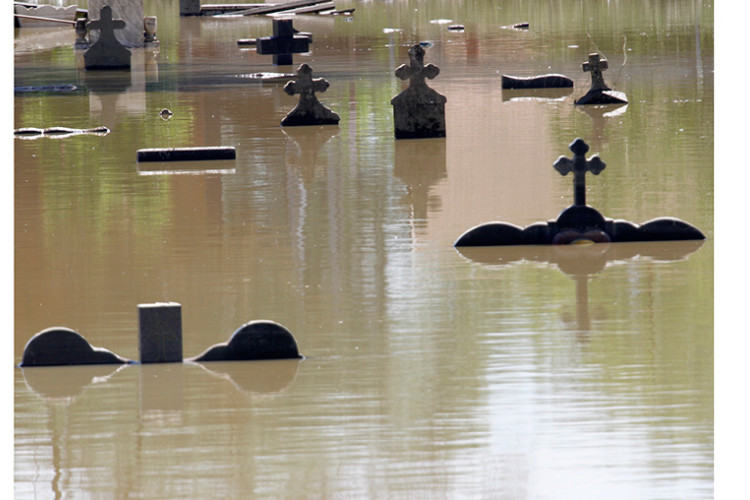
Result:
<point x="257" y="340"/>
<point x="160" y="341"/>
<point x="418" y="111"/>
<point x="284" y="43"/>
<point x="309" y="111"/>
<point x="550" y="81"/>
<point x="107" y="52"/>
<point x="63" y="346"/>
<point x="579" y="222"/>
<point x="599" y="93"/>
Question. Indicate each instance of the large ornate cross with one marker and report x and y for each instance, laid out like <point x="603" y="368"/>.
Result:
<point x="595" y="66"/>
<point x="416" y="71"/>
<point x="107" y="26"/>
<point x="579" y="166"/>
<point x="305" y="85"/>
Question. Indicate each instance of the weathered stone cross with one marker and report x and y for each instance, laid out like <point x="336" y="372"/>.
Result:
<point x="305" y="85"/>
<point x="579" y="166"/>
<point x="283" y="44"/>
<point x="596" y="65"/>
<point x="107" y="26"/>
<point x="416" y="72"/>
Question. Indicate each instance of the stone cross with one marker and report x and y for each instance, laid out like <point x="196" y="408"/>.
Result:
<point x="107" y="25"/>
<point x="416" y="71"/>
<point x="107" y="52"/>
<point x="283" y="44"/>
<point x="579" y="166"/>
<point x="305" y="85"/>
<point x="595" y="66"/>
<point x="309" y="111"/>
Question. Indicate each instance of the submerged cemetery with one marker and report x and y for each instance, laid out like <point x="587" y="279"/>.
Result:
<point x="320" y="248"/>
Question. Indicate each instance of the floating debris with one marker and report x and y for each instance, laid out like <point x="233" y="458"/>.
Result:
<point x="57" y="132"/>
<point x="456" y="27"/>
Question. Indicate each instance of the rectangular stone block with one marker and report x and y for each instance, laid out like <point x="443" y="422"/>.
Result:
<point x="160" y="327"/>
<point x="190" y="7"/>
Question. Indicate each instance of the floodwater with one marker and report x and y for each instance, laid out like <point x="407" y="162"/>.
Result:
<point x="514" y="373"/>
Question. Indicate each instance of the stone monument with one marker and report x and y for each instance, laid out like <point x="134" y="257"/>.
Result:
<point x="599" y="93"/>
<point x="284" y="43"/>
<point x="254" y="341"/>
<point x="107" y="52"/>
<point x="63" y="346"/>
<point x="418" y="111"/>
<point x="160" y="326"/>
<point x="130" y="11"/>
<point x="579" y="222"/>
<point x="309" y="111"/>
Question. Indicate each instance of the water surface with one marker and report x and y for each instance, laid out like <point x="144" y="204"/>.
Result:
<point x="528" y="372"/>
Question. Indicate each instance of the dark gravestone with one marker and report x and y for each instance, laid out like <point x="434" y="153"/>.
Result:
<point x="599" y="93"/>
<point x="160" y="332"/>
<point x="63" y="346"/>
<point x="418" y="111"/>
<point x="186" y="154"/>
<point x="284" y="43"/>
<point x="536" y="82"/>
<point x="107" y="52"/>
<point x="309" y="111"/>
<point x="579" y="222"/>
<point x="254" y="341"/>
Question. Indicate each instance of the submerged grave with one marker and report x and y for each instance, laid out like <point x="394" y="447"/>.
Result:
<point x="160" y="341"/>
<point x="107" y="52"/>
<point x="418" y="111"/>
<point x="284" y="43"/>
<point x="579" y="222"/>
<point x="599" y="93"/>
<point x="308" y="111"/>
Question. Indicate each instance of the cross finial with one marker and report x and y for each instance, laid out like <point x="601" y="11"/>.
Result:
<point x="579" y="166"/>
<point x="416" y="71"/>
<point x="106" y="24"/>
<point x="305" y="85"/>
<point x="596" y="65"/>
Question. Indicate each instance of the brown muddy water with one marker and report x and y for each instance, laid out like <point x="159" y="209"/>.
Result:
<point x="513" y="373"/>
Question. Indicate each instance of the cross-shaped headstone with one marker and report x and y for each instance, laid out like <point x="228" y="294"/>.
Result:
<point x="107" y="25"/>
<point x="579" y="166"/>
<point x="309" y="111"/>
<point x="107" y="52"/>
<point x="595" y="66"/>
<point x="283" y="44"/>
<point x="305" y="85"/>
<point x="416" y="71"/>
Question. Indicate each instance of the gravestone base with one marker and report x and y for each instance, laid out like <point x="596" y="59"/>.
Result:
<point x="536" y="82"/>
<point x="419" y="113"/>
<point x="303" y="115"/>
<point x="602" y="96"/>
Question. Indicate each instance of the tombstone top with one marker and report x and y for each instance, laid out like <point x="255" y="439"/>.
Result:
<point x="579" y="166"/>
<point x="305" y="84"/>
<point x="595" y="65"/>
<point x="416" y="71"/>
<point x="283" y="43"/>
<point x="106" y="24"/>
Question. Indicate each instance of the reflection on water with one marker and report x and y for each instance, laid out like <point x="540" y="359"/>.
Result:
<point x="528" y="372"/>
